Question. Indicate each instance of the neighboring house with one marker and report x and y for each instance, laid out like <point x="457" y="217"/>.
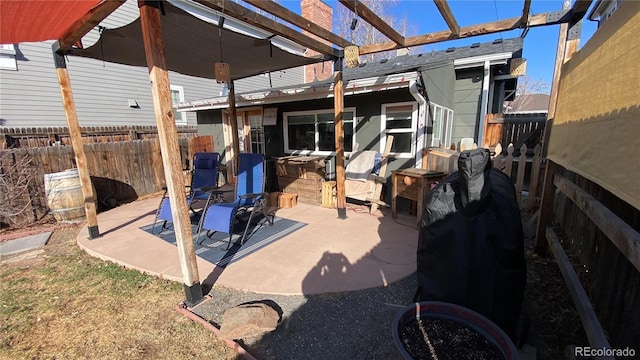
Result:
<point x="426" y="100"/>
<point x="528" y="104"/>
<point x="603" y="9"/>
<point x="105" y="93"/>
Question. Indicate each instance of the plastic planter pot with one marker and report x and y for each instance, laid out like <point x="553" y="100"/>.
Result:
<point x="440" y="330"/>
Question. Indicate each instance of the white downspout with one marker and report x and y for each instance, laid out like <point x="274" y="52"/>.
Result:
<point x="484" y="102"/>
<point x="421" y="134"/>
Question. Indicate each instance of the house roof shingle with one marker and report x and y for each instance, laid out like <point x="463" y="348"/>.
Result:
<point x="398" y="65"/>
<point x="413" y="62"/>
<point x="528" y="103"/>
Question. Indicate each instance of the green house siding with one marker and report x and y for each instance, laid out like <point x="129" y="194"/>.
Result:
<point x="468" y="94"/>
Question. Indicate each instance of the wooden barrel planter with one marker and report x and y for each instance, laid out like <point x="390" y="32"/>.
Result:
<point x="64" y="195"/>
<point x="440" y="330"/>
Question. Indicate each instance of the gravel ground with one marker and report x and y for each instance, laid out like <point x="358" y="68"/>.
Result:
<point x="347" y="325"/>
<point x="358" y="324"/>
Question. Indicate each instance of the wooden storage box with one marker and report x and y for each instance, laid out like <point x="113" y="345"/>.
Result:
<point x="273" y="199"/>
<point x="301" y="175"/>
<point x="288" y="200"/>
<point x="329" y="194"/>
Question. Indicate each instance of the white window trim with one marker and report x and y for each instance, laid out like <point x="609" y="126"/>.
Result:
<point x="8" y="57"/>
<point x="413" y="130"/>
<point x="285" y="132"/>
<point x="181" y="117"/>
<point x="444" y="133"/>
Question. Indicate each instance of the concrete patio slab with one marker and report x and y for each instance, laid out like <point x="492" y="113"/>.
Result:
<point x="327" y="255"/>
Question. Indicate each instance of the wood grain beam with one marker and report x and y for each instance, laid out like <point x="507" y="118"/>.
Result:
<point x="588" y="317"/>
<point x="241" y="13"/>
<point x="283" y="13"/>
<point x="75" y="133"/>
<point x="84" y="24"/>
<point x="150" y="19"/>
<point x="580" y="8"/>
<point x="621" y="234"/>
<point x="369" y="16"/>
<point x="448" y="17"/>
<point x="338" y="108"/>
<point x="465" y="32"/>
<point x="525" y="13"/>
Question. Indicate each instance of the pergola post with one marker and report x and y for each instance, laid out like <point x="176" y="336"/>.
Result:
<point x="168" y="136"/>
<point x="566" y="47"/>
<point x="76" y="142"/>
<point x="233" y="121"/>
<point x="338" y="98"/>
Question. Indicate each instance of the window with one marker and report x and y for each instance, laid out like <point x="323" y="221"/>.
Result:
<point x="257" y="133"/>
<point x="314" y="131"/>
<point x="400" y="120"/>
<point x="442" y="120"/>
<point x="8" y="57"/>
<point x="177" y="96"/>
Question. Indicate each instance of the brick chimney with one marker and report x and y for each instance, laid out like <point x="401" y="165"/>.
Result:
<point x="321" y="14"/>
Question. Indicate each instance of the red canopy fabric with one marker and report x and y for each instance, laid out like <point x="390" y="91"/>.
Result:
<point x="31" y="21"/>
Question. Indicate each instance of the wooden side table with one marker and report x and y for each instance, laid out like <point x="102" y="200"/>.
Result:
<point x="412" y="184"/>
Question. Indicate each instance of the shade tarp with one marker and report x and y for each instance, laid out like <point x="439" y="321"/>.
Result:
<point x="32" y="21"/>
<point x="193" y="46"/>
<point x="596" y="130"/>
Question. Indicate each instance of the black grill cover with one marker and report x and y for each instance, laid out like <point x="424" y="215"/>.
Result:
<point x="471" y="245"/>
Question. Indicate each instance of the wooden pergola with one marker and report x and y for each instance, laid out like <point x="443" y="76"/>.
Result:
<point x="150" y="16"/>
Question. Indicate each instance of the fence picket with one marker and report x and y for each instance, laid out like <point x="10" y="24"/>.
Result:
<point x="509" y="160"/>
<point x="535" y="174"/>
<point x="522" y="164"/>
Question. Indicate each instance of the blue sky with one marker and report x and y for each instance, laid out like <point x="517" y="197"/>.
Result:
<point x="539" y="45"/>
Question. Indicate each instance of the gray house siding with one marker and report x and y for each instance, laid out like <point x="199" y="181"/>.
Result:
<point x="368" y="108"/>
<point x="468" y="93"/>
<point x="30" y="96"/>
<point x="210" y="123"/>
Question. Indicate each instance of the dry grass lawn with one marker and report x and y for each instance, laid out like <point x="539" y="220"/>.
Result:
<point x="65" y="304"/>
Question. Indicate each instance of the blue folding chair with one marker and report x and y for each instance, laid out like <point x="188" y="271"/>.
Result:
<point x="204" y="177"/>
<point x="249" y="199"/>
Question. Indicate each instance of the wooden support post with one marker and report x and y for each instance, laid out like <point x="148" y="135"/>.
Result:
<point x="555" y="83"/>
<point x="169" y="147"/>
<point x="546" y="205"/>
<point x="76" y="141"/>
<point x="233" y="120"/>
<point x="548" y="189"/>
<point x="383" y="173"/>
<point x="338" y="98"/>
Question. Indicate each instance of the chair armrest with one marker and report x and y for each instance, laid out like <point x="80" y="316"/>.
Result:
<point x="253" y="195"/>
<point x="213" y="190"/>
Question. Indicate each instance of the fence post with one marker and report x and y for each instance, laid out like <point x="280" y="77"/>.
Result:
<point x="533" y="182"/>
<point x="522" y="164"/>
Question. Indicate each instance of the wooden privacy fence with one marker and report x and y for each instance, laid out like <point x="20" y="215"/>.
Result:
<point x="516" y="129"/>
<point x="40" y="137"/>
<point x="120" y="171"/>
<point x="524" y="169"/>
<point x="601" y="231"/>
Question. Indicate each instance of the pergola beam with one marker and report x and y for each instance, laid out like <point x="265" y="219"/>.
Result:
<point x="580" y="8"/>
<point x="241" y="13"/>
<point x="369" y="16"/>
<point x="84" y="24"/>
<point x="466" y="31"/>
<point x="283" y="13"/>
<point x="525" y="13"/>
<point x="448" y="17"/>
